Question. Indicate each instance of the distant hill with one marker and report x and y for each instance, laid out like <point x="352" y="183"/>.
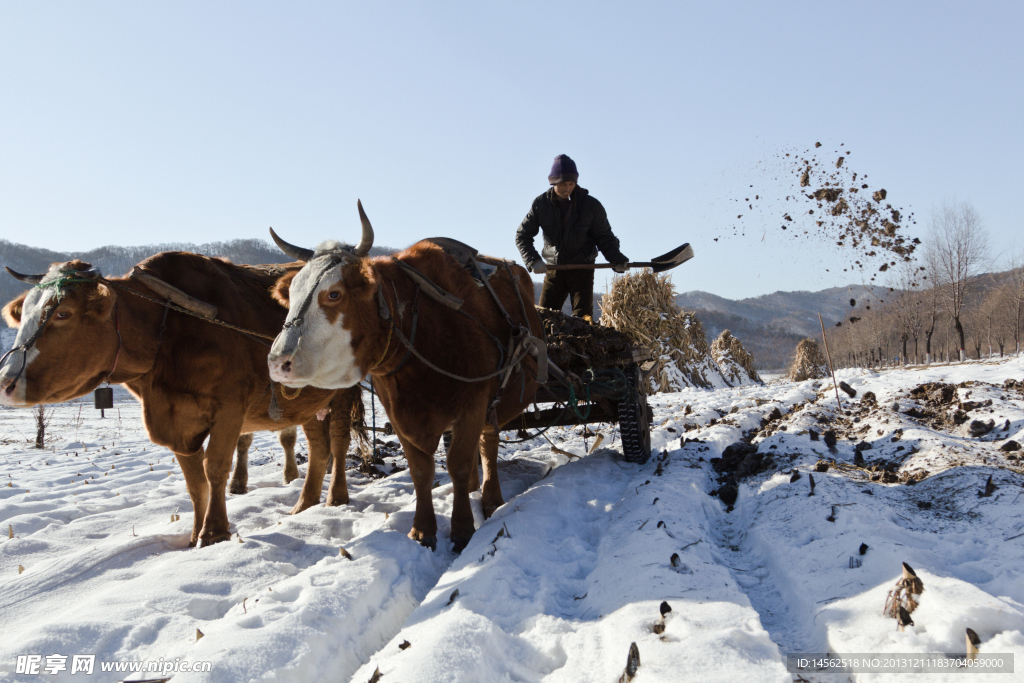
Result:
<point x="792" y="312"/>
<point x="770" y="326"/>
<point x="114" y="260"/>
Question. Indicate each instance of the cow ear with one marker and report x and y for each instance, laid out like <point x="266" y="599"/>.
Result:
<point x="12" y="311"/>
<point x="281" y="290"/>
<point x="359" y="279"/>
<point x="100" y="301"/>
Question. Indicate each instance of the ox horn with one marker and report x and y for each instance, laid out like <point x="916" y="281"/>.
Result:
<point x="297" y="253"/>
<point x="30" y="279"/>
<point x="363" y="248"/>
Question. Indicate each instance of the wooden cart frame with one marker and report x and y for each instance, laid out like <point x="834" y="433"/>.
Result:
<point x="612" y="393"/>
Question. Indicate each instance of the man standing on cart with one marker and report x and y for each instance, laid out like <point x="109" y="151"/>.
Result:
<point x="575" y="226"/>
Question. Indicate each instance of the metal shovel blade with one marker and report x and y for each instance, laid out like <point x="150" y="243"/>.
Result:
<point x="677" y="256"/>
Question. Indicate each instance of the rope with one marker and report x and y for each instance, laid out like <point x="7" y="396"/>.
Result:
<point x="62" y="282"/>
<point x="117" y="328"/>
<point x="293" y="396"/>
<point x="520" y="355"/>
<point x="386" y="347"/>
<point x="554" y="423"/>
<point x="255" y="336"/>
<point x="574" y="403"/>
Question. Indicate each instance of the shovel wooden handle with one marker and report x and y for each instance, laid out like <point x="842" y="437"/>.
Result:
<point x="680" y="254"/>
<point x="592" y="266"/>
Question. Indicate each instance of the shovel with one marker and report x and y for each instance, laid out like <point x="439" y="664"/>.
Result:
<point x="659" y="264"/>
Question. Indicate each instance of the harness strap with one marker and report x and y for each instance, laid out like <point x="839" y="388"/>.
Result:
<point x="117" y="328"/>
<point x="412" y="332"/>
<point x="30" y="343"/>
<point x="298" y="319"/>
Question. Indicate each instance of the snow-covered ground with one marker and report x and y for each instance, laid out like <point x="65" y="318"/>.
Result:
<point x="560" y="582"/>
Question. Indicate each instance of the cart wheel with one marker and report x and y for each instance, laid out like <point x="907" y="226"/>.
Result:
<point x="635" y="426"/>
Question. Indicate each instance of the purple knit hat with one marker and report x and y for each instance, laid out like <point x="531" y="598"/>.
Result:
<point x="562" y="170"/>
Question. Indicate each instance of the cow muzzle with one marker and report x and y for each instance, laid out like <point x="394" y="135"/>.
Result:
<point x="281" y="359"/>
<point x="12" y="391"/>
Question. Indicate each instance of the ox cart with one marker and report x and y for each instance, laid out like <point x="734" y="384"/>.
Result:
<point x="612" y="391"/>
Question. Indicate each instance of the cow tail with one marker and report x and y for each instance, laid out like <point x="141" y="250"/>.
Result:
<point x="359" y="426"/>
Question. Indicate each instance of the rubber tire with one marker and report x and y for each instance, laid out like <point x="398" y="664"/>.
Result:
<point x="635" y="426"/>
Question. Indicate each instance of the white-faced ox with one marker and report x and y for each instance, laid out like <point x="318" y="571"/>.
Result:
<point x="351" y="315"/>
<point x="197" y="381"/>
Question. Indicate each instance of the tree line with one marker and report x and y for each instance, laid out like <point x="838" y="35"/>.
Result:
<point x="944" y="308"/>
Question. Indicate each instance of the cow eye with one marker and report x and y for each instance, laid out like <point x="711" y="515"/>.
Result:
<point x="62" y="315"/>
<point x="333" y="296"/>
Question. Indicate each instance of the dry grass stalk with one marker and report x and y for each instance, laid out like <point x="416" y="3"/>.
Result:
<point x="810" y="362"/>
<point x="642" y="306"/>
<point x="904" y="596"/>
<point x="736" y="364"/>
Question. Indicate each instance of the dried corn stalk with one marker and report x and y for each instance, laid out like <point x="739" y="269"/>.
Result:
<point x="642" y="306"/>
<point x="810" y="362"/>
<point x="736" y="364"/>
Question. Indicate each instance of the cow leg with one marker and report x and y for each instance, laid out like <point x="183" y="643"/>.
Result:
<point x="240" y="477"/>
<point x="198" y="490"/>
<point x="421" y="469"/>
<point x="461" y="461"/>
<point x="340" y="430"/>
<point x="491" y="497"/>
<point x="287" y="437"/>
<point x="217" y="464"/>
<point x="474" y="472"/>
<point x="316" y="439"/>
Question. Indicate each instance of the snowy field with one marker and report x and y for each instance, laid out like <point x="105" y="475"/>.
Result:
<point x="566" y="575"/>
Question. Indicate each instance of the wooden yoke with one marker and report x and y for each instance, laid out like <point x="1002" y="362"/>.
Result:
<point x="200" y="308"/>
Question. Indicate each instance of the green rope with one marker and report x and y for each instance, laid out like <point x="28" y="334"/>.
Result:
<point x="575" y="404"/>
<point x="60" y="283"/>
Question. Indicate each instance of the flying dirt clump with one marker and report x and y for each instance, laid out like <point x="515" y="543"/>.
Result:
<point x="834" y="204"/>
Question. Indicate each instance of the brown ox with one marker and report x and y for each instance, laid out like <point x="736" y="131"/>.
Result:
<point x="338" y="331"/>
<point x="195" y="380"/>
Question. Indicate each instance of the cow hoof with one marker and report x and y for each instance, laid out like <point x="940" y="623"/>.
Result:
<point x="490" y="509"/>
<point x="335" y="501"/>
<point x="423" y="539"/>
<point x="302" y="505"/>
<point x="290" y="476"/>
<point x="209" y="539"/>
<point x="238" y="487"/>
<point x="459" y="544"/>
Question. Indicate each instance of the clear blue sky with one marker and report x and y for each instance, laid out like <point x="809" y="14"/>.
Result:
<point x="144" y="122"/>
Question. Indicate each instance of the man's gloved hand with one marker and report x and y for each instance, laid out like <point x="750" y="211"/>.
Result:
<point x="539" y="267"/>
<point x="620" y="267"/>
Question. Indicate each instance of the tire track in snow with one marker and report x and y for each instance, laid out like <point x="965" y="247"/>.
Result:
<point x="788" y="618"/>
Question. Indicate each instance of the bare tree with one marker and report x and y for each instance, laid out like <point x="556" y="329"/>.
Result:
<point x="931" y="302"/>
<point x="906" y="305"/>
<point x="1016" y="296"/>
<point x="956" y="251"/>
<point x="1000" y="311"/>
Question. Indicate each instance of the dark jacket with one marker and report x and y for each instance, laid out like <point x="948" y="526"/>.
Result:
<point x="585" y="230"/>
